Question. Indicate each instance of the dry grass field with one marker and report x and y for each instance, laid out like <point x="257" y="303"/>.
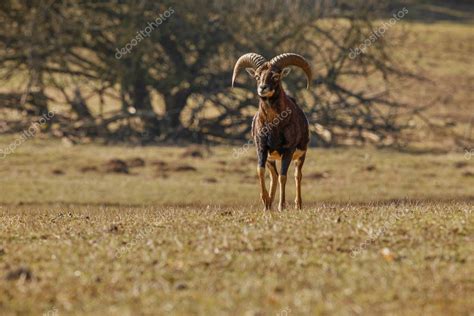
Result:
<point x="49" y="172"/>
<point x="326" y="259"/>
<point x="160" y="230"/>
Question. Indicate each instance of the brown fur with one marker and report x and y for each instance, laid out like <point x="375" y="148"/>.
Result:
<point x="280" y="131"/>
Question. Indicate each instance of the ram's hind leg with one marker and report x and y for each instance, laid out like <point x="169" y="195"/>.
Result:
<point x="274" y="179"/>
<point x="298" y="176"/>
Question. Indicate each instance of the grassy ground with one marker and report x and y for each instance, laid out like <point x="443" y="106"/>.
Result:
<point x="50" y="172"/>
<point x="327" y="259"/>
<point x="382" y="232"/>
<point x="161" y="230"/>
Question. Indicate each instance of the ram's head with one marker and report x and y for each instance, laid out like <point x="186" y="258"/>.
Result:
<point x="268" y="74"/>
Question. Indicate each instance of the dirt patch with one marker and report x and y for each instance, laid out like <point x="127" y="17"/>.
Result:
<point x="162" y="175"/>
<point x="370" y="168"/>
<point x="468" y="173"/>
<point x="88" y="169"/>
<point x="136" y="162"/>
<point x="196" y="152"/>
<point x="180" y="286"/>
<point x="460" y="164"/>
<point x="182" y="168"/>
<point x="19" y="273"/>
<point x="58" y="172"/>
<point x="116" y="166"/>
<point x="114" y="228"/>
<point x="163" y="169"/>
<point x="159" y="163"/>
<point x="317" y="175"/>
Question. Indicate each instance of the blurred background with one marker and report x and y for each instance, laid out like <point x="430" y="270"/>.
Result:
<point x="136" y="96"/>
<point x="143" y="72"/>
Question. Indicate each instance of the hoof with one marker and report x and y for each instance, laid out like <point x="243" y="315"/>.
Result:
<point x="298" y="204"/>
<point x="267" y="203"/>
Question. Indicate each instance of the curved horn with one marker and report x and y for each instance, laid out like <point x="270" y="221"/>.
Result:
<point x="248" y="60"/>
<point x="291" y="59"/>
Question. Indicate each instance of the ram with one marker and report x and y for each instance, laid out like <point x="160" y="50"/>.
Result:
<point x="279" y="128"/>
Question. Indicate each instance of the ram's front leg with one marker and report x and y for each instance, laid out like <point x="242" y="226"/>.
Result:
<point x="285" y="164"/>
<point x="274" y="179"/>
<point x="262" y="159"/>
<point x="298" y="176"/>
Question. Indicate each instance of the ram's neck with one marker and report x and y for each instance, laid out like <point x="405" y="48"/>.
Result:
<point x="275" y="103"/>
<point x="273" y="109"/>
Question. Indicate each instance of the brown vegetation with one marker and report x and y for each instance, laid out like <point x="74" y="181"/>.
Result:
<point x="174" y="84"/>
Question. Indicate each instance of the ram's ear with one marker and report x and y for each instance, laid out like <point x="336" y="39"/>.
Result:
<point x="251" y="72"/>
<point x="285" y="72"/>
